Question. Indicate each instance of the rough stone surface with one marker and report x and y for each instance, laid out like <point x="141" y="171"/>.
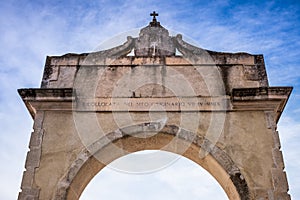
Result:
<point x="279" y="181"/>
<point x="36" y="139"/>
<point x="29" y="194"/>
<point x="276" y="140"/>
<point x="33" y="158"/>
<point x="278" y="158"/>
<point x="27" y="179"/>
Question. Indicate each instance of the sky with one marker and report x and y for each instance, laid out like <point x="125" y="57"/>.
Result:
<point x="31" y="30"/>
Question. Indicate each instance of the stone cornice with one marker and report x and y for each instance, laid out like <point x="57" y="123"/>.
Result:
<point x="51" y="99"/>
<point x="262" y="98"/>
<point x="242" y="99"/>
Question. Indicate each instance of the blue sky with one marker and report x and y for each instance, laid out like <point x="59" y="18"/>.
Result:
<point x="31" y="30"/>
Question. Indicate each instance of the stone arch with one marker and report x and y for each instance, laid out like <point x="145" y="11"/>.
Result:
<point x="215" y="161"/>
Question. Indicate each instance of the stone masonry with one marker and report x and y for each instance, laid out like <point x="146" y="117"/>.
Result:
<point x="214" y="108"/>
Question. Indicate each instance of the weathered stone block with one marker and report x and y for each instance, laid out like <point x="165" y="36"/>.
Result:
<point x="251" y="72"/>
<point x="278" y="158"/>
<point x="147" y="61"/>
<point x="33" y="158"/>
<point x="36" y="138"/>
<point x="261" y="194"/>
<point x="241" y="58"/>
<point x="29" y="194"/>
<point x="276" y="140"/>
<point x="270" y="119"/>
<point x="38" y="121"/>
<point x="282" y="196"/>
<point x="131" y="130"/>
<point x="118" y="61"/>
<point x="65" y="77"/>
<point x="69" y="59"/>
<point x="177" y="61"/>
<point x="279" y="180"/>
<point x="27" y="179"/>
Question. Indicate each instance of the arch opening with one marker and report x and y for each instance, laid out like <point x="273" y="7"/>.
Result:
<point x="182" y="179"/>
<point x="216" y="162"/>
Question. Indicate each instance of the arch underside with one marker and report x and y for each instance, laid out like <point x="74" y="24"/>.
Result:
<point x="171" y="138"/>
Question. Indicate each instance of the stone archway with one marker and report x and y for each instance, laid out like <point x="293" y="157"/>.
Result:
<point x="246" y="160"/>
<point x="216" y="162"/>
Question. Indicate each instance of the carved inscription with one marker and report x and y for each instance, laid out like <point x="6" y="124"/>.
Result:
<point x="152" y="104"/>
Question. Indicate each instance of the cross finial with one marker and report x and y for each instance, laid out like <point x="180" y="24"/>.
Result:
<point x="154" y="14"/>
<point x="154" y="21"/>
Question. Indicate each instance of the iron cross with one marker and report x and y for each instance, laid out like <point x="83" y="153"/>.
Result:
<point x="154" y="14"/>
